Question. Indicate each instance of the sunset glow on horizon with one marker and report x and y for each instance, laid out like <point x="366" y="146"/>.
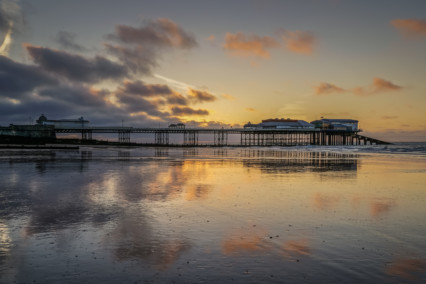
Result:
<point x="216" y="64"/>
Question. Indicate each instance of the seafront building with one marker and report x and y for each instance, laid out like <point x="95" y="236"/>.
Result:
<point x="336" y="124"/>
<point x="59" y="123"/>
<point x="280" y="123"/>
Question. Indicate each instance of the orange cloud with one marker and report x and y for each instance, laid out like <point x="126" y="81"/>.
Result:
<point x="410" y="28"/>
<point x="250" y="109"/>
<point x="327" y="88"/>
<point x="381" y="85"/>
<point x="241" y="45"/>
<point x="302" y="42"/>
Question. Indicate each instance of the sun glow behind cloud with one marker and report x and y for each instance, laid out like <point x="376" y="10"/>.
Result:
<point x="7" y="41"/>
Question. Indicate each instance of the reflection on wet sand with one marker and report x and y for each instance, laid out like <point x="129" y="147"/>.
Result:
<point x="296" y="248"/>
<point x="255" y="240"/>
<point x="5" y="241"/>
<point x="154" y="209"/>
<point x="382" y="207"/>
<point x="408" y="269"/>
<point x="134" y="239"/>
<point x="248" y="240"/>
<point x="297" y="161"/>
<point x="325" y="202"/>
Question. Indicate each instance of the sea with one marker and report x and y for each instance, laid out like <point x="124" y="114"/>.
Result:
<point x="303" y="214"/>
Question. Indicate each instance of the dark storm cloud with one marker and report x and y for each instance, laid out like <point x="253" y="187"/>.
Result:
<point x="75" y="95"/>
<point x="76" y="67"/>
<point x="67" y="40"/>
<point x="17" y="79"/>
<point x="177" y="99"/>
<point x="137" y="59"/>
<point x="188" y="111"/>
<point x="140" y="48"/>
<point x="134" y="104"/>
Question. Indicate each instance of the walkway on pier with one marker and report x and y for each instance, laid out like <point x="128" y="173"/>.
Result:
<point x="220" y="136"/>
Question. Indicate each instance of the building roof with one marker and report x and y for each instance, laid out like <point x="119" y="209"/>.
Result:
<point x="335" y="120"/>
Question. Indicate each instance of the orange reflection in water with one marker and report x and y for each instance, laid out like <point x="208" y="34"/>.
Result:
<point x="407" y="268"/>
<point x="325" y="202"/>
<point x="381" y="207"/>
<point x="294" y="248"/>
<point x="245" y="241"/>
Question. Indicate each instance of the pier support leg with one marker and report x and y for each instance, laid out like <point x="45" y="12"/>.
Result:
<point x="220" y="138"/>
<point x="124" y="136"/>
<point x="161" y="138"/>
<point x="190" y="138"/>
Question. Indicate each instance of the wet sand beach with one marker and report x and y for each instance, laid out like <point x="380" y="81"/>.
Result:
<point x="213" y="215"/>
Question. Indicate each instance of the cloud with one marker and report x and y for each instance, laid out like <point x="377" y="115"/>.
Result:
<point x="134" y="104"/>
<point x="410" y="28"/>
<point x="250" y="109"/>
<point x="161" y="92"/>
<point x="177" y="99"/>
<point x="66" y="40"/>
<point x="138" y="59"/>
<point x="75" y="67"/>
<point x="301" y="42"/>
<point x="200" y="96"/>
<point x="160" y="33"/>
<point x="60" y="83"/>
<point x="75" y="95"/>
<point x="183" y="111"/>
<point x="11" y="21"/>
<point x="241" y="45"/>
<point x="327" y="88"/>
<point x="176" y="84"/>
<point x="378" y="85"/>
<point x="17" y="79"/>
<point x="140" y="48"/>
<point x="382" y="85"/>
<point x="146" y="90"/>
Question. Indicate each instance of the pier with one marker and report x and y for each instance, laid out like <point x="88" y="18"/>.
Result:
<point x="221" y="137"/>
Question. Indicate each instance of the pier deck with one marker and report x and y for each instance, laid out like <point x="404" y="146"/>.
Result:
<point x="220" y="136"/>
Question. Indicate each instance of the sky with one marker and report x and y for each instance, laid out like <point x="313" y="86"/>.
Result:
<point x="216" y="63"/>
